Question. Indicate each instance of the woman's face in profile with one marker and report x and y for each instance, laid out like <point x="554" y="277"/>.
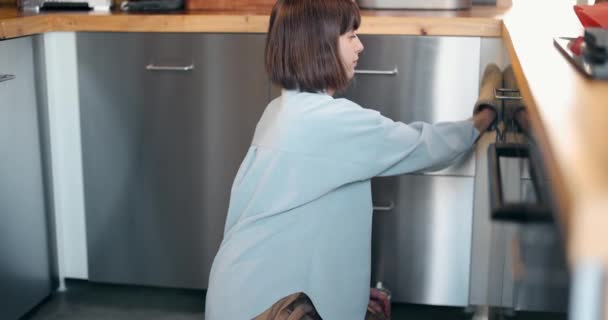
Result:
<point x="350" y="47"/>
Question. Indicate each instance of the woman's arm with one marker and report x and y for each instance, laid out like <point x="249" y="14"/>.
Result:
<point x="346" y="133"/>
<point x="456" y="140"/>
<point x="435" y="146"/>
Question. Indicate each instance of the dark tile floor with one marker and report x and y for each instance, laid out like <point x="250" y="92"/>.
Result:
<point x="90" y="301"/>
<point x="84" y="300"/>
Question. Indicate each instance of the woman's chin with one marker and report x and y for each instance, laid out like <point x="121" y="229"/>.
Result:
<point x="351" y="74"/>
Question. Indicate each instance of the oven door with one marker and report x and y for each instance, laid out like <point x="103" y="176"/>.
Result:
<point x="518" y="261"/>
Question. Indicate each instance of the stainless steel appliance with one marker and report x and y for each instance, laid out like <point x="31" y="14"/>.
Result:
<point x="166" y="120"/>
<point x="38" y="5"/>
<point x="518" y="257"/>
<point x="25" y="248"/>
<point x="415" y="4"/>
<point x="421" y="245"/>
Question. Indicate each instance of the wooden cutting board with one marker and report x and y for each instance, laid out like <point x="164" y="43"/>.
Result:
<point x="229" y="4"/>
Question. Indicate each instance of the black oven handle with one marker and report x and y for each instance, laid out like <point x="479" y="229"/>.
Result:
<point x="514" y="212"/>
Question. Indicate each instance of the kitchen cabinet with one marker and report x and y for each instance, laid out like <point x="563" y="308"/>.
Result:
<point x="25" y="267"/>
<point x="166" y="120"/>
<point x="432" y="239"/>
<point x="422" y="225"/>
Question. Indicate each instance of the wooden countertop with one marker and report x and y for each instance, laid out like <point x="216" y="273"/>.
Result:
<point x="568" y="112"/>
<point x="483" y="21"/>
<point x="570" y="115"/>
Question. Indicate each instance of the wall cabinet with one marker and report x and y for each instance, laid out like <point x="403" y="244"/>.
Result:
<point x="25" y="270"/>
<point x="166" y="120"/>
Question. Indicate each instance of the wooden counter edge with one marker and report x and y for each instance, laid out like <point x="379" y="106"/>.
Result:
<point x="559" y="189"/>
<point x="238" y="23"/>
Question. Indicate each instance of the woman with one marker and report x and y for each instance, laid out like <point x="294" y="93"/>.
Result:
<point x="298" y="231"/>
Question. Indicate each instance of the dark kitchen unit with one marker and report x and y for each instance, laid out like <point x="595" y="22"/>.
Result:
<point x="166" y="120"/>
<point x="26" y="276"/>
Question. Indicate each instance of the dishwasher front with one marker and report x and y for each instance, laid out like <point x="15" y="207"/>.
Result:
<point x="421" y="236"/>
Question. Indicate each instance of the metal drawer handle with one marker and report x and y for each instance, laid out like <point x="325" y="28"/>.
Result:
<point x="389" y="207"/>
<point x="6" y="77"/>
<point x="379" y="72"/>
<point x="499" y="94"/>
<point x="152" y="67"/>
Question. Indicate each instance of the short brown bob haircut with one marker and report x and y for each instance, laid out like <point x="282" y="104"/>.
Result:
<point x="302" y="50"/>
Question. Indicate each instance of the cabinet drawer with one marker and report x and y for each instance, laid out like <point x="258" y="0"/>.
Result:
<point x="421" y="248"/>
<point x="166" y="120"/>
<point x="437" y="79"/>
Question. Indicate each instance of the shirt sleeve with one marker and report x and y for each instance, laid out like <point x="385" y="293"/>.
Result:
<point x="437" y="145"/>
<point x="383" y="147"/>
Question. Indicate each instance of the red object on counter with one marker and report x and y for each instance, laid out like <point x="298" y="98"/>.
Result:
<point x="576" y="46"/>
<point x="593" y="15"/>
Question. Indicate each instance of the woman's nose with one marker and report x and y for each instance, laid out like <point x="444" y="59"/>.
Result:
<point x="360" y="46"/>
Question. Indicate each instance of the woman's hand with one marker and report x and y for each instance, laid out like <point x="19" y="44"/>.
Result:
<point x="483" y="119"/>
<point x="379" y="303"/>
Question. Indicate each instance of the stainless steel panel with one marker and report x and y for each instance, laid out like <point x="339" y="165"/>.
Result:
<point x="161" y="148"/>
<point x="44" y="116"/>
<point x="437" y="80"/>
<point x="421" y="248"/>
<point x="544" y="282"/>
<point x="492" y="243"/>
<point x="415" y="4"/>
<point x="24" y="247"/>
<point x="513" y="266"/>
<point x="502" y="259"/>
<point x="482" y="245"/>
<point x="430" y="226"/>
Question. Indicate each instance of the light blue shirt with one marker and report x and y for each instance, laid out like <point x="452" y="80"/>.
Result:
<point x="300" y="214"/>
